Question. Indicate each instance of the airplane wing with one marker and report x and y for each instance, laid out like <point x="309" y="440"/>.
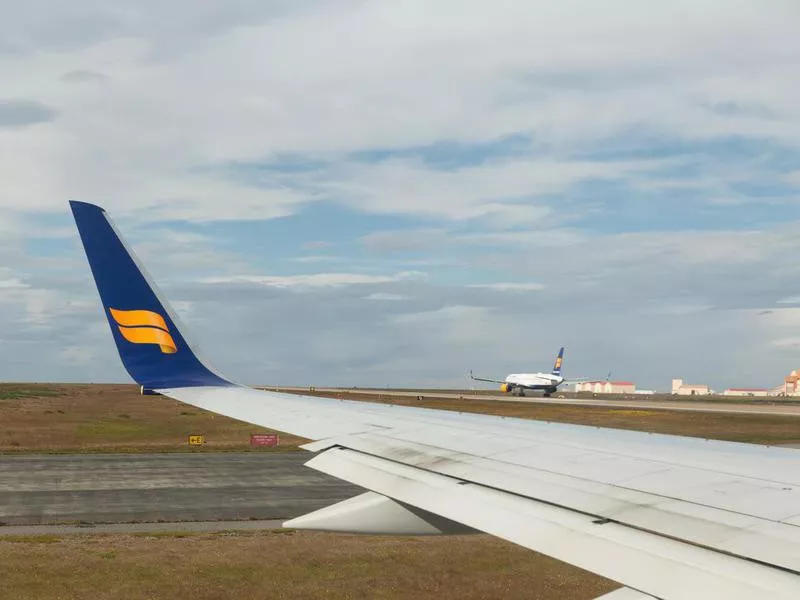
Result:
<point x="537" y="386"/>
<point x="471" y="376"/>
<point x="665" y="516"/>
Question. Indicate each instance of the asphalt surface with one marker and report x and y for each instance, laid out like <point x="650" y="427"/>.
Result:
<point x="717" y="406"/>
<point x="134" y="528"/>
<point x="119" y="488"/>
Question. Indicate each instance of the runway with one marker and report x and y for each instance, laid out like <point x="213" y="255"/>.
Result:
<point x="141" y="528"/>
<point x="714" y="406"/>
<point x="122" y="488"/>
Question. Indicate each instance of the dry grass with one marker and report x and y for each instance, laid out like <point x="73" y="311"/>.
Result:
<point x="752" y="428"/>
<point x="116" y="418"/>
<point x="284" y="565"/>
<point x="99" y="418"/>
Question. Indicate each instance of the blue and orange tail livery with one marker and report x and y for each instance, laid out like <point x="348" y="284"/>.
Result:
<point x="558" y="363"/>
<point x="144" y="327"/>
<point x="149" y="340"/>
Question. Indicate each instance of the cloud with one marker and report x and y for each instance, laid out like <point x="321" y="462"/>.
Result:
<point x="316" y="279"/>
<point x="793" y="178"/>
<point x="20" y="113"/>
<point x="618" y="178"/>
<point x="384" y="296"/>
<point x="197" y="87"/>
<point x="511" y="287"/>
<point x="315" y="259"/>
<point x="792" y="342"/>
<point x="495" y="193"/>
<point x="318" y="245"/>
<point x="82" y="76"/>
<point x="13" y="283"/>
<point x="395" y="241"/>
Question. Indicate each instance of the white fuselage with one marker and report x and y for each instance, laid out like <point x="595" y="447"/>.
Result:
<point x="535" y="379"/>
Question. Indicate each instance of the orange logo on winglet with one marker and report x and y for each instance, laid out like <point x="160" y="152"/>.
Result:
<point x="144" y="327"/>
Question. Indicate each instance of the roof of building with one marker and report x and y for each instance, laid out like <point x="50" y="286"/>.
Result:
<point x="693" y="386"/>
<point x="622" y="383"/>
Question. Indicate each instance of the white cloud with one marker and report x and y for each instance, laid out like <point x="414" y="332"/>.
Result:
<point x="190" y="87"/>
<point x="793" y="178"/>
<point x="318" y="245"/>
<point x="384" y="296"/>
<point x="482" y="125"/>
<point x="316" y="279"/>
<point x="511" y="287"/>
<point x="316" y="259"/>
<point x="12" y="284"/>
<point x="497" y="193"/>
<point x="446" y="314"/>
<point x="790" y="342"/>
<point x="676" y="307"/>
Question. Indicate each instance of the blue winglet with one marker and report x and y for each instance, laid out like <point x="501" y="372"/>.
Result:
<point x="146" y="331"/>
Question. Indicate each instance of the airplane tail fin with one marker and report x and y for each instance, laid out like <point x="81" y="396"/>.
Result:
<point x="147" y="332"/>
<point x="558" y="363"/>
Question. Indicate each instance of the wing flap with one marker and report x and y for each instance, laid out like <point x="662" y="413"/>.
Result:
<point x="639" y="560"/>
<point x="733" y="532"/>
<point x="373" y="513"/>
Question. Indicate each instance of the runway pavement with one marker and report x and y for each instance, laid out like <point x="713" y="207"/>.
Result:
<point x="37" y="489"/>
<point x="141" y="528"/>
<point x="714" y="406"/>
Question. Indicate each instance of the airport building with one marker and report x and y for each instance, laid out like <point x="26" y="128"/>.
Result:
<point x="606" y="387"/>
<point x="680" y="388"/>
<point x="791" y="385"/>
<point x="746" y="392"/>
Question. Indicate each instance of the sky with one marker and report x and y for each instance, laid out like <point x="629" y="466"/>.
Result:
<point x="393" y="192"/>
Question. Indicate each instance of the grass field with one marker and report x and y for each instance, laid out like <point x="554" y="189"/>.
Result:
<point x="116" y="418"/>
<point x="757" y="429"/>
<point x="111" y="418"/>
<point x="286" y="565"/>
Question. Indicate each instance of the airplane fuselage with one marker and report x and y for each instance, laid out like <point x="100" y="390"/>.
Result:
<point x="518" y="382"/>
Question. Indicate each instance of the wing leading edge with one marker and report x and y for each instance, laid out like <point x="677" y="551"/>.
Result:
<point x="667" y="517"/>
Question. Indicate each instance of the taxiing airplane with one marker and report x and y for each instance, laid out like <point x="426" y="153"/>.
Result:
<point x="668" y="517"/>
<point x="517" y="383"/>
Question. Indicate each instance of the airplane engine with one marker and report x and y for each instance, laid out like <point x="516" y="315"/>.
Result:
<point x="507" y="388"/>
